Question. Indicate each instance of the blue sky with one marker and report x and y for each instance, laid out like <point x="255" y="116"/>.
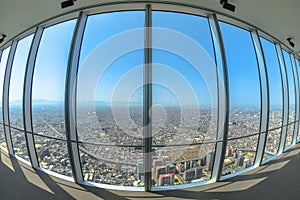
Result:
<point x="18" y="69"/>
<point x="288" y="64"/>
<point x="95" y="36"/>
<point x="51" y="63"/>
<point x="242" y="66"/>
<point x="4" y="58"/>
<point x="273" y="69"/>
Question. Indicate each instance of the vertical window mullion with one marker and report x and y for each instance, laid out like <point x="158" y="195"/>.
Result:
<point x="27" y="92"/>
<point x="285" y="99"/>
<point x="265" y="99"/>
<point x="223" y="98"/>
<point x="70" y="98"/>
<point x="148" y="98"/>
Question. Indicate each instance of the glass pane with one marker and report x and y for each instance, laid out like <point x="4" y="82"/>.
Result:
<point x="289" y="69"/>
<point x="240" y="154"/>
<point x="19" y="144"/>
<point x="184" y="98"/>
<point x="272" y="143"/>
<point x="17" y="82"/>
<point x="184" y="81"/>
<point x="48" y="96"/>
<point x="298" y="71"/>
<point x="275" y="92"/>
<point x="112" y="165"/>
<point x="182" y="164"/>
<point x="16" y="96"/>
<point x="53" y="155"/>
<point x="244" y="85"/>
<point x="3" y="62"/>
<point x="49" y="80"/>
<point x="275" y="84"/>
<point x="110" y="95"/>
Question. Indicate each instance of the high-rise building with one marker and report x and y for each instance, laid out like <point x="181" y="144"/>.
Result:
<point x="140" y="169"/>
<point x="179" y="167"/>
<point x="160" y="170"/>
<point x="157" y="162"/>
<point x="199" y="172"/>
<point x="187" y="165"/>
<point x="229" y="152"/>
<point x="166" y="179"/>
<point x="247" y="163"/>
<point x="240" y="160"/>
<point x="171" y="169"/>
<point x="189" y="174"/>
<point x="203" y="161"/>
<point x="210" y="160"/>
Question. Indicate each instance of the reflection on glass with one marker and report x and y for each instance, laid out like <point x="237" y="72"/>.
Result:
<point x="112" y="165"/>
<point x="53" y="155"/>
<point x="48" y="95"/>
<point x="275" y="95"/>
<point x="244" y="85"/>
<point x="16" y="96"/>
<point x="290" y="76"/>
<point x="110" y="97"/>
<point x="3" y="61"/>
<point x="240" y="154"/>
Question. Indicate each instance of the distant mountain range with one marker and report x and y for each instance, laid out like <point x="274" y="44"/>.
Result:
<point x="37" y="102"/>
<point x="90" y="103"/>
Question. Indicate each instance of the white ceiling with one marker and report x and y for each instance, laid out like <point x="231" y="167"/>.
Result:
<point x="279" y="18"/>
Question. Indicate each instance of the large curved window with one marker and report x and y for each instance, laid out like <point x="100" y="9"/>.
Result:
<point x="184" y="99"/>
<point x="48" y="97"/>
<point x="291" y="91"/>
<point x="3" y="62"/>
<point x="16" y="97"/>
<point x="275" y="96"/>
<point x="113" y="99"/>
<point x="110" y="99"/>
<point x="244" y="91"/>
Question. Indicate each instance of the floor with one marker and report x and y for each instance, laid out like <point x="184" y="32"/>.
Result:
<point x="278" y="179"/>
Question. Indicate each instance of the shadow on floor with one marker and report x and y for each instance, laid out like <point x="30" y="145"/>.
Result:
<point x="277" y="179"/>
<point x="19" y="181"/>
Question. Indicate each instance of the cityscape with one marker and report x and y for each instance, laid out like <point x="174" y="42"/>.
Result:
<point x="111" y="151"/>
